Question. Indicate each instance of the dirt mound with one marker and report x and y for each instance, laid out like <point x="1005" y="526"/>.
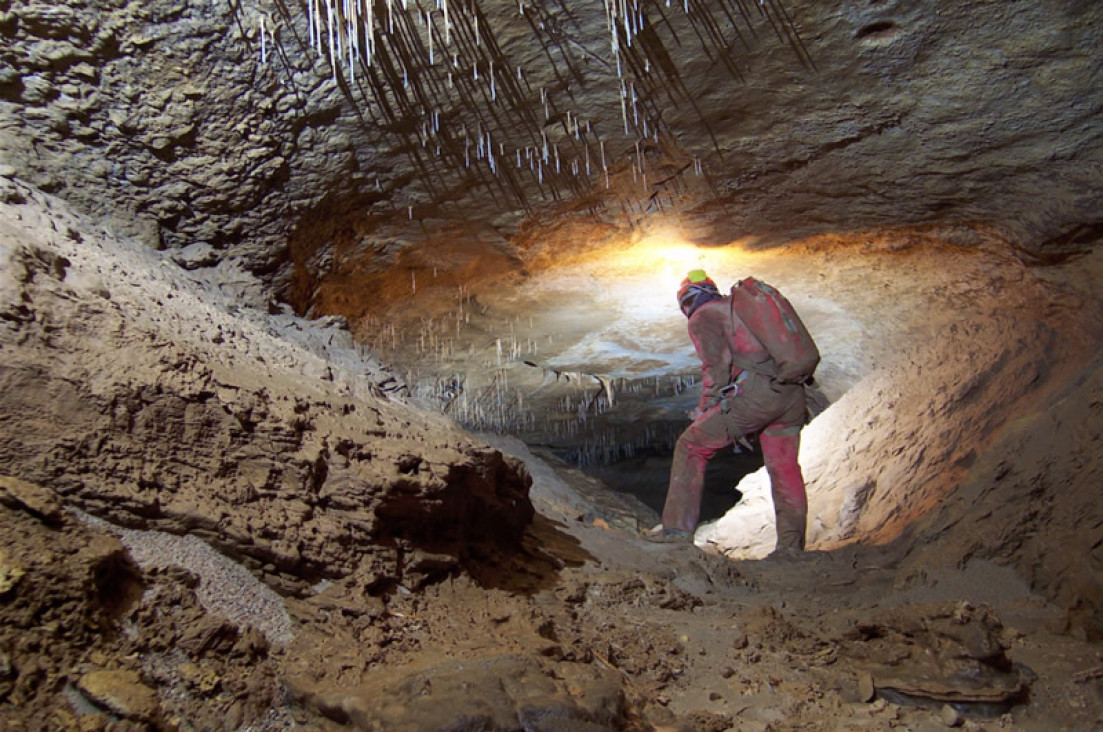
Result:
<point x="138" y="396"/>
<point x="502" y="692"/>
<point x="85" y="632"/>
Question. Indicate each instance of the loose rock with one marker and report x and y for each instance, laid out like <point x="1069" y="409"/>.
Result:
<point x="122" y="693"/>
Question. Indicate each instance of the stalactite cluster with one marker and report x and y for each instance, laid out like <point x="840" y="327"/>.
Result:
<point x="435" y="73"/>
<point x="474" y="386"/>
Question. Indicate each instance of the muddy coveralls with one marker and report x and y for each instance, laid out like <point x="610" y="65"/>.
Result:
<point x="753" y="404"/>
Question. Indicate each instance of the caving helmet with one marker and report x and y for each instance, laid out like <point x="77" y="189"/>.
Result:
<point x="696" y="289"/>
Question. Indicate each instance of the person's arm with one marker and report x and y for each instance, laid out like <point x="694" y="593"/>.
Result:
<point x="708" y="328"/>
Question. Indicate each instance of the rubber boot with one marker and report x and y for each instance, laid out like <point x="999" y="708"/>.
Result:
<point x="790" y="528"/>
<point x="696" y="445"/>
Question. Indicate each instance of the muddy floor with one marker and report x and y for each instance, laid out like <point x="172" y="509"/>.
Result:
<point x="586" y="628"/>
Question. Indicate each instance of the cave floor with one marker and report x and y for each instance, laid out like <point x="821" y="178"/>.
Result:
<point x="845" y="639"/>
<point x="783" y="643"/>
<point x="866" y="635"/>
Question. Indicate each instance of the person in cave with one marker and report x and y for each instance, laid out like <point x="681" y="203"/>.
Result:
<point x="735" y="402"/>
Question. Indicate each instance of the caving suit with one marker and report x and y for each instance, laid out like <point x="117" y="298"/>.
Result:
<point x="754" y="404"/>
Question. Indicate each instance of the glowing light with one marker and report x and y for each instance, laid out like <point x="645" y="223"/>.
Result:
<point x="663" y="258"/>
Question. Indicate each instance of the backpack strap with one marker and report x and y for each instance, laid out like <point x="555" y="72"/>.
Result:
<point x="766" y="368"/>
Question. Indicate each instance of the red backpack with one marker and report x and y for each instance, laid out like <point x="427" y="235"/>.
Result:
<point x="774" y="322"/>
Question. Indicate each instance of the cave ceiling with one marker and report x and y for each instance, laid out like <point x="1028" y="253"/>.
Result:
<point x="257" y="132"/>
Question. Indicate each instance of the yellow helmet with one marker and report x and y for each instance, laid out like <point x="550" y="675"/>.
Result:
<point x="696" y="289"/>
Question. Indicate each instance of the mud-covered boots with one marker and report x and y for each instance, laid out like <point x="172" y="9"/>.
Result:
<point x="790" y="528"/>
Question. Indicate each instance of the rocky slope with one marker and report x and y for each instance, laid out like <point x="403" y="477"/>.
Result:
<point x="139" y="396"/>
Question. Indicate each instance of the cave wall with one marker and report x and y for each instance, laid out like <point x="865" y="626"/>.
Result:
<point x="1032" y="502"/>
<point x="157" y="118"/>
<point x="978" y="120"/>
<point x="161" y="119"/>
<point x="138" y="394"/>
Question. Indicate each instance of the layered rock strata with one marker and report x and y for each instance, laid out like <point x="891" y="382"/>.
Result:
<point x="143" y="402"/>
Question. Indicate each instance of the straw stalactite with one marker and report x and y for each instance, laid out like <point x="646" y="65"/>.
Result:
<point x="462" y="108"/>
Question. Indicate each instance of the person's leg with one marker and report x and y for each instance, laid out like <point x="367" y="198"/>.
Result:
<point x="779" y="449"/>
<point x="696" y="445"/>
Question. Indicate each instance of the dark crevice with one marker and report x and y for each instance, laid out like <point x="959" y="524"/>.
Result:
<point x="880" y="29"/>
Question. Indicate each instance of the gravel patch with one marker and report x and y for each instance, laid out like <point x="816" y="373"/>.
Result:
<point x="226" y="588"/>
